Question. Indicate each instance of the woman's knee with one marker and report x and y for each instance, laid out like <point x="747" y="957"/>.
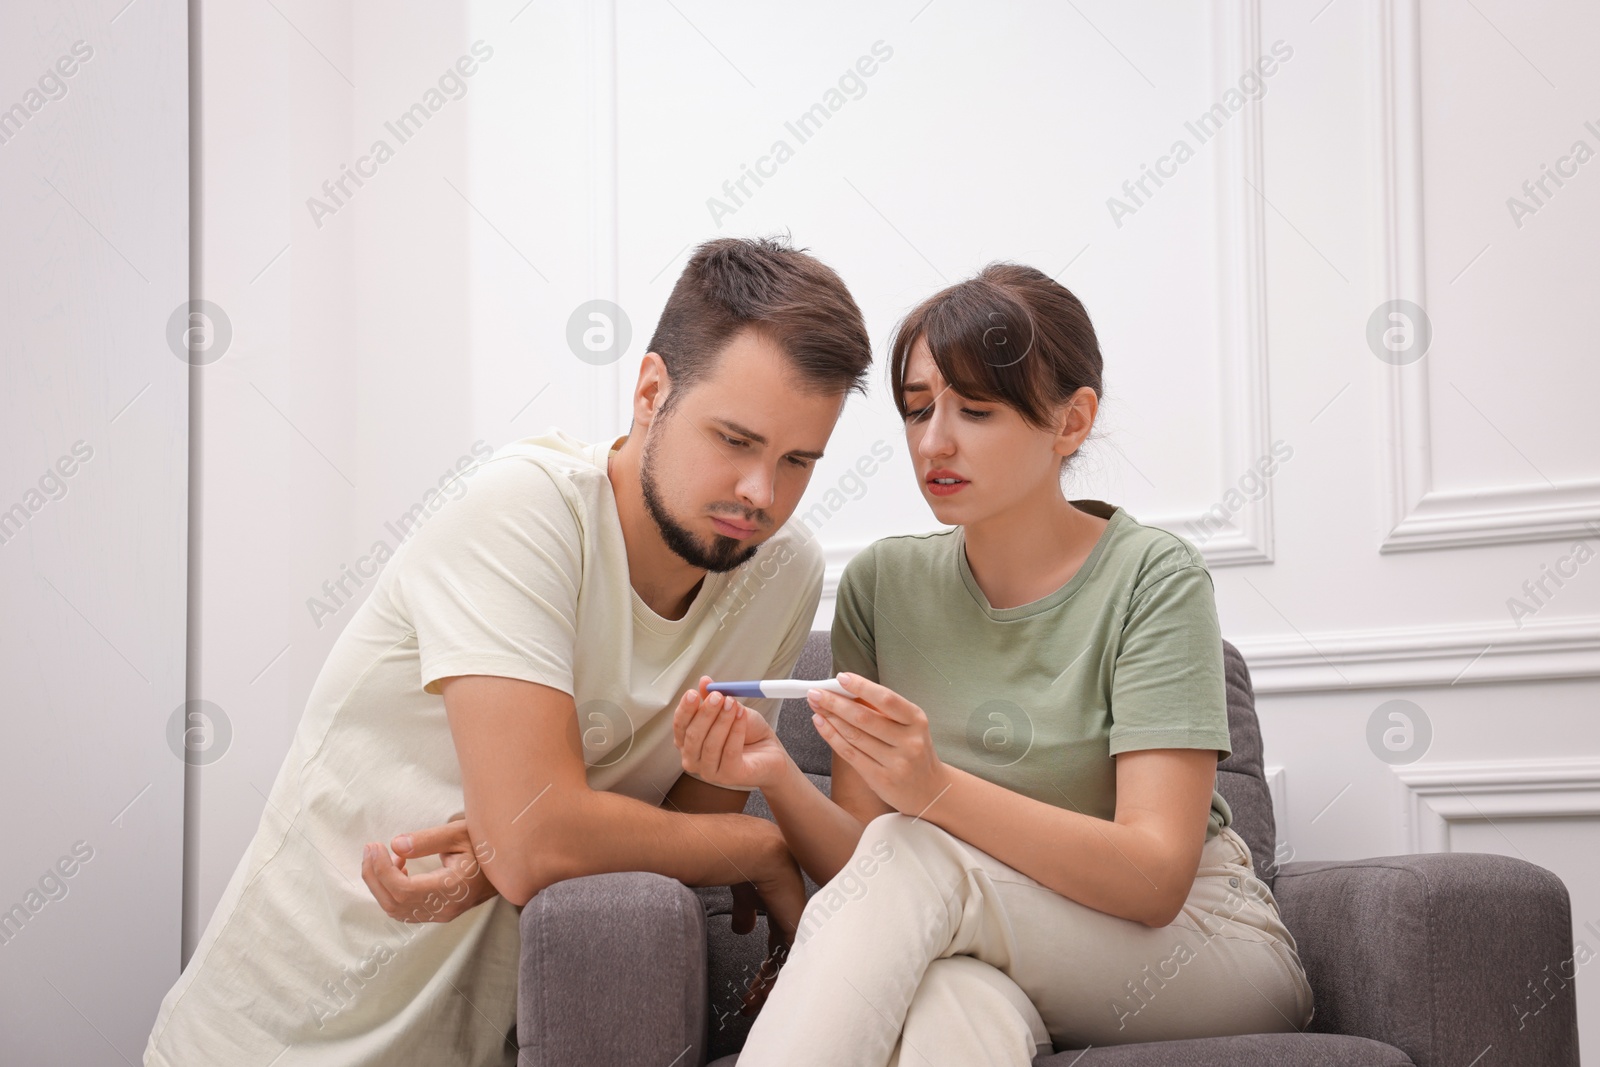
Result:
<point x="893" y="830"/>
<point x="983" y="995"/>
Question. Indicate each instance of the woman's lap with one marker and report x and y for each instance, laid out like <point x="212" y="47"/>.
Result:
<point x="1225" y="966"/>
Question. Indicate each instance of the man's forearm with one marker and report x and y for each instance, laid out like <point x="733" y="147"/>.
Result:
<point x="595" y="832"/>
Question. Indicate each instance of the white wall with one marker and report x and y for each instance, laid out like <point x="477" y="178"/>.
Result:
<point x="1233" y="307"/>
<point x="94" y="259"/>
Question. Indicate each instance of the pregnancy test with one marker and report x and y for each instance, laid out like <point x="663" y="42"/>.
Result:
<point x="782" y="688"/>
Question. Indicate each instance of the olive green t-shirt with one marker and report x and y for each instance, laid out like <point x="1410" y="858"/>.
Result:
<point x="1039" y="698"/>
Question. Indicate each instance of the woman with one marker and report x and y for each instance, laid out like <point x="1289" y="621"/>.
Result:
<point x="1024" y="844"/>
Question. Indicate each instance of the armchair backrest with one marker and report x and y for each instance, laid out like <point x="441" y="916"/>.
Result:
<point x="1240" y="778"/>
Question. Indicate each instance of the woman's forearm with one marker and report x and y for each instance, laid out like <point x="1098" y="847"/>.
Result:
<point x="820" y="833"/>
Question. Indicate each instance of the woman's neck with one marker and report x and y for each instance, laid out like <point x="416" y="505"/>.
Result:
<point x="1028" y="553"/>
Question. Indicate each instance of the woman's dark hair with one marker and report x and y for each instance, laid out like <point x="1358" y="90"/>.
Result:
<point x="1010" y="335"/>
<point x="736" y="282"/>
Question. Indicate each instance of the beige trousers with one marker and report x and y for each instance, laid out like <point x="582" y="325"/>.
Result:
<point x="926" y="951"/>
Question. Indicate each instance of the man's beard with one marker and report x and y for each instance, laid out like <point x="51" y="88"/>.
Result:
<point x="723" y="555"/>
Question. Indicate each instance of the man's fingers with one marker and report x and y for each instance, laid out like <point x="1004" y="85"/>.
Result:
<point x="380" y="892"/>
<point x="451" y="837"/>
<point x="688" y="704"/>
<point x="694" y="735"/>
<point x="717" y="736"/>
<point x="744" y="907"/>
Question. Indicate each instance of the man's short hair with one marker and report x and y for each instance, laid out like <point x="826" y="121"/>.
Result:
<point x="794" y="299"/>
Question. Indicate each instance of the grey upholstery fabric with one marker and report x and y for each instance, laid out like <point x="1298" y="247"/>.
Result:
<point x="1240" y="779"/>
<point x="613" y="971"/>
<point x="1427" y="960"/>
<point x="1437" y="954"/>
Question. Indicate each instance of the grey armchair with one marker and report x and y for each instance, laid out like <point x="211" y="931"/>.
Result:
<point x="1426" y="960"/>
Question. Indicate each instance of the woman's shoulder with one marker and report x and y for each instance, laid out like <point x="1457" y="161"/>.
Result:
<point x="1146" y="554"/>
<point x="902" y="555"/>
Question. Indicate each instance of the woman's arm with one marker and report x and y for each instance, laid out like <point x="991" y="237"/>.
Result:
<point x="1139" y="866"/>
<point x="823" y="833"/>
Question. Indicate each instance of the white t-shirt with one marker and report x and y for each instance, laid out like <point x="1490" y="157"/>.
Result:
<point x="525" y="575"/>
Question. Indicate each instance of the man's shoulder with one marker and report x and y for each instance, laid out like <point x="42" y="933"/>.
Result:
<point x="792" y="549"/>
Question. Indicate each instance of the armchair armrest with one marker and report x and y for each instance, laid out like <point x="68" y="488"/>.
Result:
<point x="1446" y="956"/>
<point x="613" y="972"/>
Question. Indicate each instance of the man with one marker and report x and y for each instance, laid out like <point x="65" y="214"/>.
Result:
<point x="516" y="668"/>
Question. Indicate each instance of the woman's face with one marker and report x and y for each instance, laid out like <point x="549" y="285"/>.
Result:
<point x="996" y="458"/>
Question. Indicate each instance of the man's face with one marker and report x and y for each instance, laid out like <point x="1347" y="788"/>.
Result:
<point x="726" y="466"/>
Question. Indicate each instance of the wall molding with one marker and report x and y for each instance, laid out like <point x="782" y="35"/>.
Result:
<point x="1420" y="516"/>
<point x="1435" y="797"/>
<point x="1399" y="658"/>
<point x="1474" y="653"/>
<point x="1242" y="314"/>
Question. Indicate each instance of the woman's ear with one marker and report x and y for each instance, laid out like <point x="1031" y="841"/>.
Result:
<point x="1075" y="420"/>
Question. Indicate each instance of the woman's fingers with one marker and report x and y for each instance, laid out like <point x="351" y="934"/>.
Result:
<point x="881" y="697"/>
<point x="856" y="715"/>
<point x="829" y="730"/>
<point x="875" y="748"/>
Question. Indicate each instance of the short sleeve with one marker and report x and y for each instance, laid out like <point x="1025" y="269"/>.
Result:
<point x="490" y="583"/>
<point x="855" y="647"/>
<point x="1167" y="689"/>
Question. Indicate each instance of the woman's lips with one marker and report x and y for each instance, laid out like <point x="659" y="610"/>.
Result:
<point x="934" y="487"/>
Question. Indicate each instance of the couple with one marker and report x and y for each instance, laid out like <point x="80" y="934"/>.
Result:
<point x="1023" y="782"/>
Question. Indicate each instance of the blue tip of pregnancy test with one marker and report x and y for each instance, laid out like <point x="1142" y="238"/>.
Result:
<point x="746" y="690"/>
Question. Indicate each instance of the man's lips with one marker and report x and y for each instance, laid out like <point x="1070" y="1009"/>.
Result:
<point x="732" y="529"/>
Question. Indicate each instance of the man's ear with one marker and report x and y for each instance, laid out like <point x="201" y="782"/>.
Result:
<point x="650" y="392"/>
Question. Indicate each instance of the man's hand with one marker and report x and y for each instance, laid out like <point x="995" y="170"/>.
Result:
<point x="777" y="888"/>
<point x="724" y="742"/>
<point x="437" y="896"/>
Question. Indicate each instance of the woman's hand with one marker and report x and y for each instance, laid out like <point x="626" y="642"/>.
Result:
<point x="437" y="896"/>
<point x="885" y="738"/>
<point x="724" y="742"/>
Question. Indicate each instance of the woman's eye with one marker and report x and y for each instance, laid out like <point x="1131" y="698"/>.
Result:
<point x="976" y="414"/>
<point x="913" y="416"/>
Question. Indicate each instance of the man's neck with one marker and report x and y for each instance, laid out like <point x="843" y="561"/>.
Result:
<point x="663" y="580"/>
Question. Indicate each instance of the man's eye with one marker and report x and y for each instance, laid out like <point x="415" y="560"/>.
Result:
<point x="735" y="442"/>
<point x="802" y="463"/>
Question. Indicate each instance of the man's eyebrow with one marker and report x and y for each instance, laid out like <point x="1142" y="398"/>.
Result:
<point x="735" y="428"/>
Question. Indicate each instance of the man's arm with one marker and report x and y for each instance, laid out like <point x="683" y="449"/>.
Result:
<point x="690" y="794"/>
<point x="528" y="800"/>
